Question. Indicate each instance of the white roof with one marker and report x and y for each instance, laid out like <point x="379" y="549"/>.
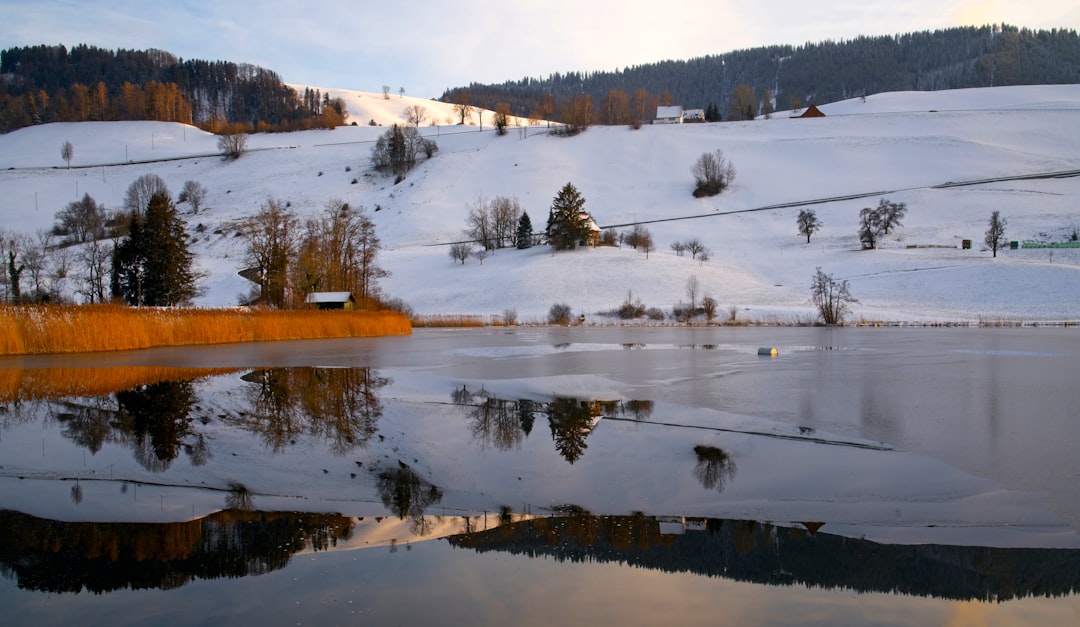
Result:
<point x="328" y="297"/>
<point x="673" y="111"/>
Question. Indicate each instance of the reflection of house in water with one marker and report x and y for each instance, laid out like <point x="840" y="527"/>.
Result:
<point x="678" y="525"/>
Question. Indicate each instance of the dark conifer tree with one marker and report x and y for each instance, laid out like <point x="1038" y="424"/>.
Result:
<point x="524" y="231"/>
<point x="128" y="263"/>
<point x="153" y="266"/>
<point x="568" y="224"/>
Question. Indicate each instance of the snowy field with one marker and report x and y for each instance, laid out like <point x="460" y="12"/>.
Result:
<point x="900" y="146"/>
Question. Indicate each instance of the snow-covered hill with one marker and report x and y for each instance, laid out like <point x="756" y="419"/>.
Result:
<point x="901" y="146"/>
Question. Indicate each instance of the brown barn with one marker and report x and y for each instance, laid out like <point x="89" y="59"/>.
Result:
<point x="812" y="112"/>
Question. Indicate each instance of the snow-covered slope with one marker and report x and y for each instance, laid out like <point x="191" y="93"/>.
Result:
<point x="900" y="146"/>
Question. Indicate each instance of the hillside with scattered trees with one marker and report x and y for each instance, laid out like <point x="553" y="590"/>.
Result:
<point x="742" y="84"/>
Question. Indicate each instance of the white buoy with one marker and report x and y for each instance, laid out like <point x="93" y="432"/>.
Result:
<point x="768" y="351"/>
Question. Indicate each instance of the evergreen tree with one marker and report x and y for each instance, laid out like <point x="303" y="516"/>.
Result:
<point x="128" y="263"/>
<point x="524" y="231"/>
<point x="568" y="222"/>
<point x="153" y="266"/>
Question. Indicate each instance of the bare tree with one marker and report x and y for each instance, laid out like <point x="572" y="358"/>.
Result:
<point x="505" y="213"/>
<point x="272" y="235"/>
<point x="15" y="245"/>
<point x="96" y="256"/>
<point x="36" y="260"/>
<point x="463" y="108"/>
<point x="692" y="287"/>
<point x="995" y="232"/>
<point x="502" y="118"/>
<point x="480" y="254"/>
<point x="646" y="243"/>
<point x="871" y="227"/>
<point x="679" y="248"/>
<point x="416" y="114"/>
<point x="694" y="247"/>
<point x="767" y="105"/>
<point x="709" y="305"/>
<point x="633" y="238"/>
<point x="808" y="223"/>
<point x="712" y="174"/>
<point x="478" y="224"/>
<point x="460" y="251"/>
<point x="891" y="214"/>
<point x="831" y="297"/>
<point x="386" y="92"/>
<point x="194" y="194"/>
<point x="82" y="219"/>
<point x="232" y="145"/>
<point x="704" y="256"/>
<point x="741" y="104"/>
<point x="141" y="190"/>
<point x="67" y="151"/>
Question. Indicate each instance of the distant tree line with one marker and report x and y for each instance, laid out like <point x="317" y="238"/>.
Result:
<point x="43" y="84"/>
<point x="745" y="83"/>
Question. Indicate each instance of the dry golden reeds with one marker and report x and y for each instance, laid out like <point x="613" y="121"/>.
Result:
<point x="452" y="321"/>
<point x="53" y="383"/>
<point x="41" y="329"/>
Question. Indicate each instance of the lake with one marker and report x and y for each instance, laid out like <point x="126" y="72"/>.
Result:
<point x="529" y="475"/>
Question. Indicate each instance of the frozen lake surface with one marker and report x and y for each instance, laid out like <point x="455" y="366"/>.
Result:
<point x="531" y="474"/>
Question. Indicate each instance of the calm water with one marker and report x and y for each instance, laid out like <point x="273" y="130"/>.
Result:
<point x="862" y="476"/>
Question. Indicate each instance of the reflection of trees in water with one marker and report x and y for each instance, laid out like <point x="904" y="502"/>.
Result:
<point x="56" y="556"/>
<point x="91" y="424"/>
<point x="496" y="422"/>
<point x="763" y="553"/>
<point x="504" y="424"/>
<point x="20" y="412"/>
<point x="158" y="416"/>
<point x="339" y="404"/>
<point x="158" y="422"/>
<point x="714" y="468"/>
<point x="240" y="498"/>
<point x="408" y="495"/>
<point x="198" y="451"/>
<point x="638" y="410"/>
<point x="571" y="421"/>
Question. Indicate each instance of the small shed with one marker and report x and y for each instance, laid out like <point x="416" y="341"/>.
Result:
<point x="812" y="112"/>
<point x="331" y="300"/>
<point x="669" y="115"/>
<point x="693" y="115"/>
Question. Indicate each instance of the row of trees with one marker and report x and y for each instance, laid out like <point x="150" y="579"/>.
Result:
<point x="336" y="250"/>
<point x="137" y="254"/>
<point x="874" y="222"/>
<point x="744" y="83"/>
<point x="55" y="84"/>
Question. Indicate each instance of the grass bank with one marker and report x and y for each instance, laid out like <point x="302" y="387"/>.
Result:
<point x="36" y="330"/>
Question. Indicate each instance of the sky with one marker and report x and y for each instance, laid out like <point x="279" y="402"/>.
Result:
<point x="427" y="46"/>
